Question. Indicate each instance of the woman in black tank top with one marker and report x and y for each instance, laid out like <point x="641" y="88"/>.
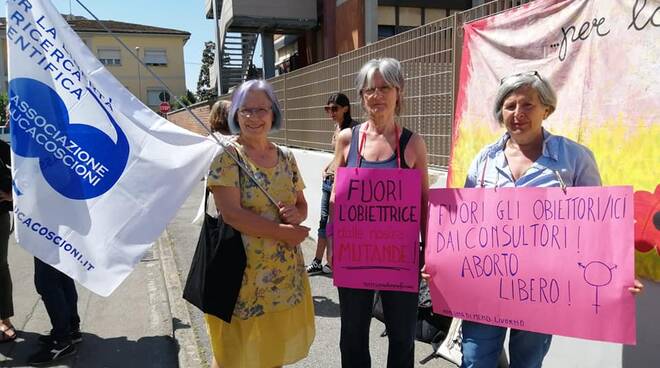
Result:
<point x="338" y="109"/>
<point x="380" y="142"/>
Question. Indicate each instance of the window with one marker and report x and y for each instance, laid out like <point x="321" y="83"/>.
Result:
<point x="154" y="96"/>
<point x="386" y="31"/>
<point x="155" y="57"/>
<point x="401" y="29"/>
<point x="389" y="31"/>
<point x="109" y="56"/>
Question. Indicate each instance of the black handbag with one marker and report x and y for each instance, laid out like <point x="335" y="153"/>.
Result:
<point x="217" y="268"/>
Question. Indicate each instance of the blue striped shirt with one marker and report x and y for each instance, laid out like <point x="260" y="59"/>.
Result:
<point x="561" y="157"/>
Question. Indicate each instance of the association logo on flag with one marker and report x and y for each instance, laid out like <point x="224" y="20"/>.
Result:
<point x="78" y="160"/>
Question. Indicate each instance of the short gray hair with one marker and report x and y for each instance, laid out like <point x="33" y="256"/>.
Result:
<point x="238" y="98"/>
<point x="390" y="70"/>
<point x="514" y="82"/>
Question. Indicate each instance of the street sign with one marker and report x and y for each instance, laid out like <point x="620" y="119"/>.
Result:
<point x="164" y="107"/>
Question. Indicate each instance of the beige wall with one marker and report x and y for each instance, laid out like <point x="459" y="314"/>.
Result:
<point x="137" y="79"/>
<point x="173" y="74"/>
<point x="411" y="17"/>
<point x="387" y="15"/>
<point x="431" y="15"/>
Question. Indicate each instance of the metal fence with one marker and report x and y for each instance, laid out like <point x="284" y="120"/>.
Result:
<point x="430" y="57"/>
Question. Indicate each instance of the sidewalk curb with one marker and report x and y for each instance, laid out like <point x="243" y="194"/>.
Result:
<point x="188" y="354"/>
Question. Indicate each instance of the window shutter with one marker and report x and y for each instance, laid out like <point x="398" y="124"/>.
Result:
<point x="155" y="57"/>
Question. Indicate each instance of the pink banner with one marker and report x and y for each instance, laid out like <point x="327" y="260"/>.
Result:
<point x="376" y="229"/>
<point x="601" y="57"/>
<point x="535" y="259"/>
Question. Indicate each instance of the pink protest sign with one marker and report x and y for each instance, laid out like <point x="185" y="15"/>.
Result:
<point x="376" y="229"/>
<point x="535" y="259"/>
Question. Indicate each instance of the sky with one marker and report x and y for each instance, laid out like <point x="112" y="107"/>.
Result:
<point x="185" y="15"/>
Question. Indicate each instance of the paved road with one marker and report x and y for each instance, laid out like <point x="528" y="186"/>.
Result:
<point x="130" y="329"/>
<point x="325" y="350"/>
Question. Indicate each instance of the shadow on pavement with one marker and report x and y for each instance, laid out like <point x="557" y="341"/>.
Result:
<point x="94" y="351"/>
<point x="178" y="325"/>
<point x="325" y="307"/>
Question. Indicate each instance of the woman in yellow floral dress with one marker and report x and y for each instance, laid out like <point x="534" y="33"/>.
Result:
<point x="273" y="320"/>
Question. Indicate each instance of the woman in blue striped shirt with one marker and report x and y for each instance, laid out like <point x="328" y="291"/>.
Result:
<point x="526" y="155"/>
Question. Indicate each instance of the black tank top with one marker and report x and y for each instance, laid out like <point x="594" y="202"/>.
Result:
<point x="390" y="163"/>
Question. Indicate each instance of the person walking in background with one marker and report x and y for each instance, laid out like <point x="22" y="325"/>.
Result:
<point x="382" y="143"/>
<point x="218" y="117"/>
<point x="273" y="319"/>
<point x="7" y="329"/>
<point x="219" y="127"/>
<point x="338" y="109"/>
<point x="526" y="155"/>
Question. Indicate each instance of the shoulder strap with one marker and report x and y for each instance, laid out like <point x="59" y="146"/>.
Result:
<point x="406" y="134"/>
<point x="239" y="160"/>
<point x="206" y="198"/>
<point x="285" y="150"/>
<point x="352" y="156"/>
<point x="287" y="154"/>
<point x="239" y="156"/>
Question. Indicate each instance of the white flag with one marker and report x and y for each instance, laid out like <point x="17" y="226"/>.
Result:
<point x="97" y="175"/>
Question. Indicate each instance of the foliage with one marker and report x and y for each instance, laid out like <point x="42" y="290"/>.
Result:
<point x="188" y="99"/>
<point x="204" y="89"/>
<point x="4" y="105"/>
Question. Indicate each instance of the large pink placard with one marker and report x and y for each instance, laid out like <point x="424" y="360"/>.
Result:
<point x="376" y="229"/>
<point x="537" y="259"/>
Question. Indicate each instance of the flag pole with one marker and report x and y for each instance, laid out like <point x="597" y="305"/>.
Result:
<point x="178" y="99"/>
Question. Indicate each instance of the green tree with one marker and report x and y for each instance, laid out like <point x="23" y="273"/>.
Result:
<point x="4" y="105"/>
<point x="188" y="99"/>
<point x="205" y="91"/>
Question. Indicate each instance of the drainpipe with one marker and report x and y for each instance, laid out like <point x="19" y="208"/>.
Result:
<point x="218" y="57"/>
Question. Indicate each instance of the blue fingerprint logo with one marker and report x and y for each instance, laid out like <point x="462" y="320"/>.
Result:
<point x="78" y="160"/>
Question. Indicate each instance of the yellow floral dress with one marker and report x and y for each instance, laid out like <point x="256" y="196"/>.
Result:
<point x="273" y="321"/>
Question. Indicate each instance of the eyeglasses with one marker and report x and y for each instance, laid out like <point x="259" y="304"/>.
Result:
<point x="258" y="112"/>
<point x="532" y="73"/>
<point x="332" y="108"/>
<point x="372" y="90"/>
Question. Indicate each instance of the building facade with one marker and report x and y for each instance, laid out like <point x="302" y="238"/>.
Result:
<point x="159" y="48"/>
<point x="357" y="23"/>
<point x="329" y="28"/>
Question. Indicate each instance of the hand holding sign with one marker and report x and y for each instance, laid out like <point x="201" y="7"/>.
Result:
<point x="511" y="257"/>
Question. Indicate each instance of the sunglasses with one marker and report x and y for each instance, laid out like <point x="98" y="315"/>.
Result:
<point x="333" y="108"/>
<point x="532" y="73"/>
